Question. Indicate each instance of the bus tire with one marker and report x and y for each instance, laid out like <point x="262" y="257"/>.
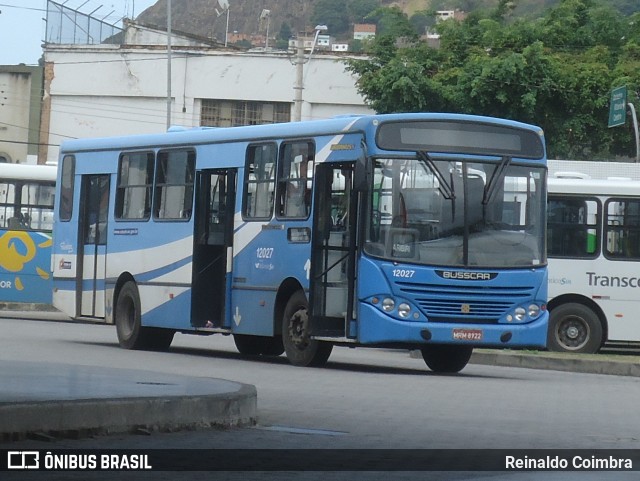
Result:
<point x="301" y="350"/>
<point x="574" y="327"/>
<point x="272" y="346"/>
<point x="248" y="345"/>
<point x="157" y="338"/>
<point x="131" y="334"/>
<point x="445" y="358"/>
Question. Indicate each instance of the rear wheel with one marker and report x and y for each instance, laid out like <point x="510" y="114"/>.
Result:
<point x="300" y="348"/>
<point x="131" y="334"/>
<point x="446" y="358"/>
<point x="574" y="328"/>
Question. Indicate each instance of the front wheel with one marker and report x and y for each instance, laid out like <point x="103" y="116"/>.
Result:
<point x="574" y="328"/>
<point x="301" y="350"/>
<point x="444" y="358"/>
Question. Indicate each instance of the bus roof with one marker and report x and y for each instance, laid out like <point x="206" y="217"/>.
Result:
<point x="616" y="187"/>
<point x="28" y="172"/>
<point x="592" y="169"/>
<point x="198" y="135"/>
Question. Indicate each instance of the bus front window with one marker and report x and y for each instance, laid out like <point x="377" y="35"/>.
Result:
<point x="457" y="213"/>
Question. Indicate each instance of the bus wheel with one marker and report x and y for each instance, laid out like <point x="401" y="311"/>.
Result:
<point x="272" y="346"/>
<point x="574" y="328"/>
<point x="300" y="348"/>
<point x="131" y="334"/>
<point x="446" y="358"/>
<point x="258" y="345"/>
<point x="248" y="345"/>
<point x="157" y="338"/>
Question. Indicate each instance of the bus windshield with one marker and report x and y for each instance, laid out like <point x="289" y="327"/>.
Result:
<point x="457" y="212"/>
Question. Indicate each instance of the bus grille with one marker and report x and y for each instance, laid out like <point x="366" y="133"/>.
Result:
<point x="465" y="304"/>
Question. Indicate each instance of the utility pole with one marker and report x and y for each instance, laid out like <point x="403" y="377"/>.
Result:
<point x="168" y="64"/>
<point x="300" y="74"/>
<point x="634" y="119"/>
<point x="297" y="110"/>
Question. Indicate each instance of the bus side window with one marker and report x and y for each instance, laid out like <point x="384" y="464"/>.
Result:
<point x="572" y="228"/>
<point x="66" y="187"/>
<point x="259" y="181"/>
<point x="7" y="201"/>
<point x="175" y="173"/>
<point x="294" y="189"/>
<point x="623" y="228"/>
<point x="135" y="179"/>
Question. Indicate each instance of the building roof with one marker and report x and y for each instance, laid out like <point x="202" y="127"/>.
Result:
<point x="364" y="27"/>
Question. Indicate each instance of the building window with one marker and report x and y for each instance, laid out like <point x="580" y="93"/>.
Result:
<point x="174" y="185"/>
<point x="135" y="178"/>
<point x="260" y="174"/>
<point x="294" y="180"/>
<point x="234" y="113"/>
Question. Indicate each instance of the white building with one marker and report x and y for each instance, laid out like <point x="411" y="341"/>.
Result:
<point x="20" y="93"/>
<point x="324" y="41"/>
<point x="104" y="90"/>
<point x="364" y="31"/>
<point x="442" y="15"/>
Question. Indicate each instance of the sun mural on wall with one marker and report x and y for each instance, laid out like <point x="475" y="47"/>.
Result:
<point x="17" y="249"/>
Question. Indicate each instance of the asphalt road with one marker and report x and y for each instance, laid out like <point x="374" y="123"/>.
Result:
<point x="364" y="398"/>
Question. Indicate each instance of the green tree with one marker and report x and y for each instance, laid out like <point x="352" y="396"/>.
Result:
<point x="393" y="22"/>
<point x="285" y="32"/>
<point x="556" y="71"/>
<point x="422" y="20"/>
<point x="332" y="14"/>
<point x="359" y="9"/>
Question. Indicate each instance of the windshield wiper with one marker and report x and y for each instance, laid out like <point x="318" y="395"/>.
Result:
<point x="444" y="186"/>
<point x="494" y="181"/>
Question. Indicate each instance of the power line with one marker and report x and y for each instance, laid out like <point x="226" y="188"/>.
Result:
<point x="21" y="7"/>
<point x="27" y="143"/>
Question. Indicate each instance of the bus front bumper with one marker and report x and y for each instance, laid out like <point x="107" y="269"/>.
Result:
<point x="375" y="328"/>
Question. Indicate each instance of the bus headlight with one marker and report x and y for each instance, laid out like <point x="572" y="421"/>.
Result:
<point x="404" y="310"/>
<point x="388" y="304"/>
<point x="520" y="314"/>
<point x="534" y="311"/>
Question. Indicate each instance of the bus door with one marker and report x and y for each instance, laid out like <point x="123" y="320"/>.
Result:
<point x="212" y="250"/>
<point x="94" y="202"/>
<point x="332" y="277"/>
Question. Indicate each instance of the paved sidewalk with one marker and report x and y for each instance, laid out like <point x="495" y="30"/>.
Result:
<point x="77" y="400"/>
<point x="70" y="400"/>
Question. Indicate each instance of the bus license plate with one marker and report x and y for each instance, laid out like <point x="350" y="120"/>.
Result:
<point x="467" y="334"/>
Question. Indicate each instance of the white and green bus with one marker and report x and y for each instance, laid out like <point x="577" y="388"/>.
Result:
<point x="593" y="248"/>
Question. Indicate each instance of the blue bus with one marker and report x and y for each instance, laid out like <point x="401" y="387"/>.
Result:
<point x="413" y="231"/>
<point x="26" y="219"/>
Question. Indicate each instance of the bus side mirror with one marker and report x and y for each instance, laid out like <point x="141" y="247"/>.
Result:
<point x="361" y="175"/>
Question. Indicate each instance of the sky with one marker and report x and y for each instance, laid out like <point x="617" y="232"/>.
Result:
<point x="22" y="23"/>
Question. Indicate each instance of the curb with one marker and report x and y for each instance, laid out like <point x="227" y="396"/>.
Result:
<point x="50" y="399"/>
<point x="126" y="415"/>
<point x="568" y="362"/>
